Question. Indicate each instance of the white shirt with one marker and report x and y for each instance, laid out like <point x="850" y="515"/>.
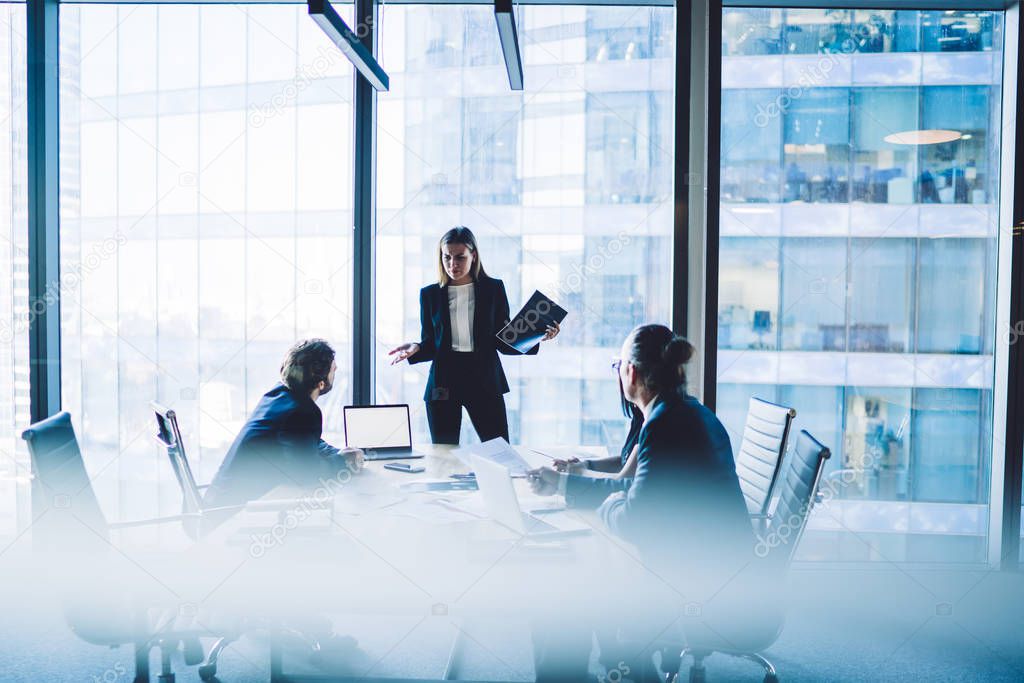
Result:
<point x="460" y="306"/>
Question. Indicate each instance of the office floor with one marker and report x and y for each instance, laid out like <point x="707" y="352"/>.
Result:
<point x="872" y="624"/>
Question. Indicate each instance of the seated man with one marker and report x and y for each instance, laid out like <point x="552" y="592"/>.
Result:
<point x="280" y="442"/>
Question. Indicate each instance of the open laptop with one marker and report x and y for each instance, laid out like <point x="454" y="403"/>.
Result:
<point x="383" y="432"/>
<point x="495" y="483"/>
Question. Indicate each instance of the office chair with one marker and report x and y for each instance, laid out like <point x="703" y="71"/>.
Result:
<point x="169" y="436"/>
<point x="758" y="460"/>
<point x="72" y="532"/>
<point x="753" y="625"/>
<point x="193" y="510"/>
<point x="193" y="507"/>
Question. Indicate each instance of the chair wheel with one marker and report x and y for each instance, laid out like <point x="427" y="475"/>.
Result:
<point x="771" y="678"/>
<point x="208" y="672"/>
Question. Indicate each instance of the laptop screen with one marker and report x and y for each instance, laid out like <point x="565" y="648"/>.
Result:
<point x="377" y="427"/>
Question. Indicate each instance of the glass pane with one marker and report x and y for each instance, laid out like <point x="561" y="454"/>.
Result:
<point x="748" y="293"/>
<point x="883" y="172"/>
<point x="857" y="272"/>
<point x="751" y="154"/>
<point x="206" y="204"/>
<point x="751" y="31"/>
<point x="881" y="295"/>
<point x="817" y="147"/>
<point x="567" y="186"/>
<point x="15" y="469"/>
<point x="813" y="294"/>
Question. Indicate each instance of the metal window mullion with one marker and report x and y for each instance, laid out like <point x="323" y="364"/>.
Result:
<point x="1008" y="552"/>
<point x="713" y="202"/>
<point x="686" y="82"/>
<point x="43" y="196"/>
<point x="363" y="213"/>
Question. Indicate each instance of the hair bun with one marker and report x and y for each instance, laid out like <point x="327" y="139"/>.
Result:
<point x="677" y="351"/>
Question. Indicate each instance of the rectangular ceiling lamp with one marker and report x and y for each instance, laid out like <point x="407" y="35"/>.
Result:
<point x="349" y="43"/>
<point x="509" y="42"/>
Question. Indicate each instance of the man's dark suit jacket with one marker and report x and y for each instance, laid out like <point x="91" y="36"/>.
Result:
<point x="490" y="314"/>
<point x="279" y="444"/>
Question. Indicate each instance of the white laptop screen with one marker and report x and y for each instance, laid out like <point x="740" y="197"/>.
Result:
<point x="377" y="427"/>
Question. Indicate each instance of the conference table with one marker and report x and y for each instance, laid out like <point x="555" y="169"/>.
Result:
<point x="363" y="544"/>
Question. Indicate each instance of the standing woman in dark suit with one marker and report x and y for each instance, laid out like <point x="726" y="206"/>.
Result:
<point x="460" y="318"/>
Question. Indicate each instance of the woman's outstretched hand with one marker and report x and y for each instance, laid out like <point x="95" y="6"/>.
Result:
<point x="551" y="331"/>
<point x="403" y="352"/>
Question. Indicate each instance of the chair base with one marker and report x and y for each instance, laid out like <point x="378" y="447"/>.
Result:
<point x="208" y="670"/>
<point x="698" y="672"/>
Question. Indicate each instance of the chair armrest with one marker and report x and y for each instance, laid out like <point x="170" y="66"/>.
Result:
<point x="128" y="524"/>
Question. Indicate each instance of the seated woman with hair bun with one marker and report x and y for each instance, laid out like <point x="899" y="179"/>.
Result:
<point x="682" y="503"/>
<point x="681" y="508"/>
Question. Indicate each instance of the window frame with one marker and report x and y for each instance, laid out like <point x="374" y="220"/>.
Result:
<point x="698" y="81"/>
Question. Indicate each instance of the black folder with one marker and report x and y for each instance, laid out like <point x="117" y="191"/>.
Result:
<point x="529" y="325"/>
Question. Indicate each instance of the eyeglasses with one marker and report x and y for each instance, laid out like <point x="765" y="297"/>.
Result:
<point x="616" y="364"/>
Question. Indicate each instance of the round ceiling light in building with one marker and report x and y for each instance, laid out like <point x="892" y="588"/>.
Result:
<point x="923" y="137"/>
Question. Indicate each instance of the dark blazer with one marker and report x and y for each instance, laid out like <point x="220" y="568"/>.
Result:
<point x="490" y="314"/>
<point x="279" y="444"/>
<point x="683" y="506"/>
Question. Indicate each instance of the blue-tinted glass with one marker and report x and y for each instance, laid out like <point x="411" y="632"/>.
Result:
<point x="954" y="295"/>
<point x="817" y="146"/>
<point x="884" y="172"/>
<point x="878" y="441"/>
<point x="881" y="294"/>
<point x="813" y="294"/>
<point x="955" y="31"/>
<point x="731" y="407"/>
<point x="809" y="31"/>
<point x="490" y="145"/>
<point x="951" y="448"/>
<point x="748" y="293"/>
<point x="961" y="171"/>
<point x="819" y="411"/>
<point x="627" y="157"/>
<point x="751" y="31"/>
<point x="885" y="30"/>
<point x="751" y="145"/>
<point x="203" y="180"/>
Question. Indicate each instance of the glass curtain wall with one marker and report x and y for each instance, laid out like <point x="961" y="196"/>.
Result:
<point x="567" y="185"/>
<point x="857" y="270"/>
<point x="14" y="308"/>
<point x="206" y="222"/>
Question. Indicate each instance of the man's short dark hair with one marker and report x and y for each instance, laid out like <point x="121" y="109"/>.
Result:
<point x="307" y="364"/>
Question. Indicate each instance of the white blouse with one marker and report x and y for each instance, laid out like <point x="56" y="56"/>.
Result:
<point x="460" y="305"/>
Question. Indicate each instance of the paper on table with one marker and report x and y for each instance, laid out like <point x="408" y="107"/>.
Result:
<point x="497" y="451"/>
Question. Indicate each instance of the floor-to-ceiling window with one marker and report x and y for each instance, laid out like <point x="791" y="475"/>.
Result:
<point x="567" y="185"/>
<point x="857" y="267"/>
<point x="14" y="308"/>
<point x="206" y="224"/>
